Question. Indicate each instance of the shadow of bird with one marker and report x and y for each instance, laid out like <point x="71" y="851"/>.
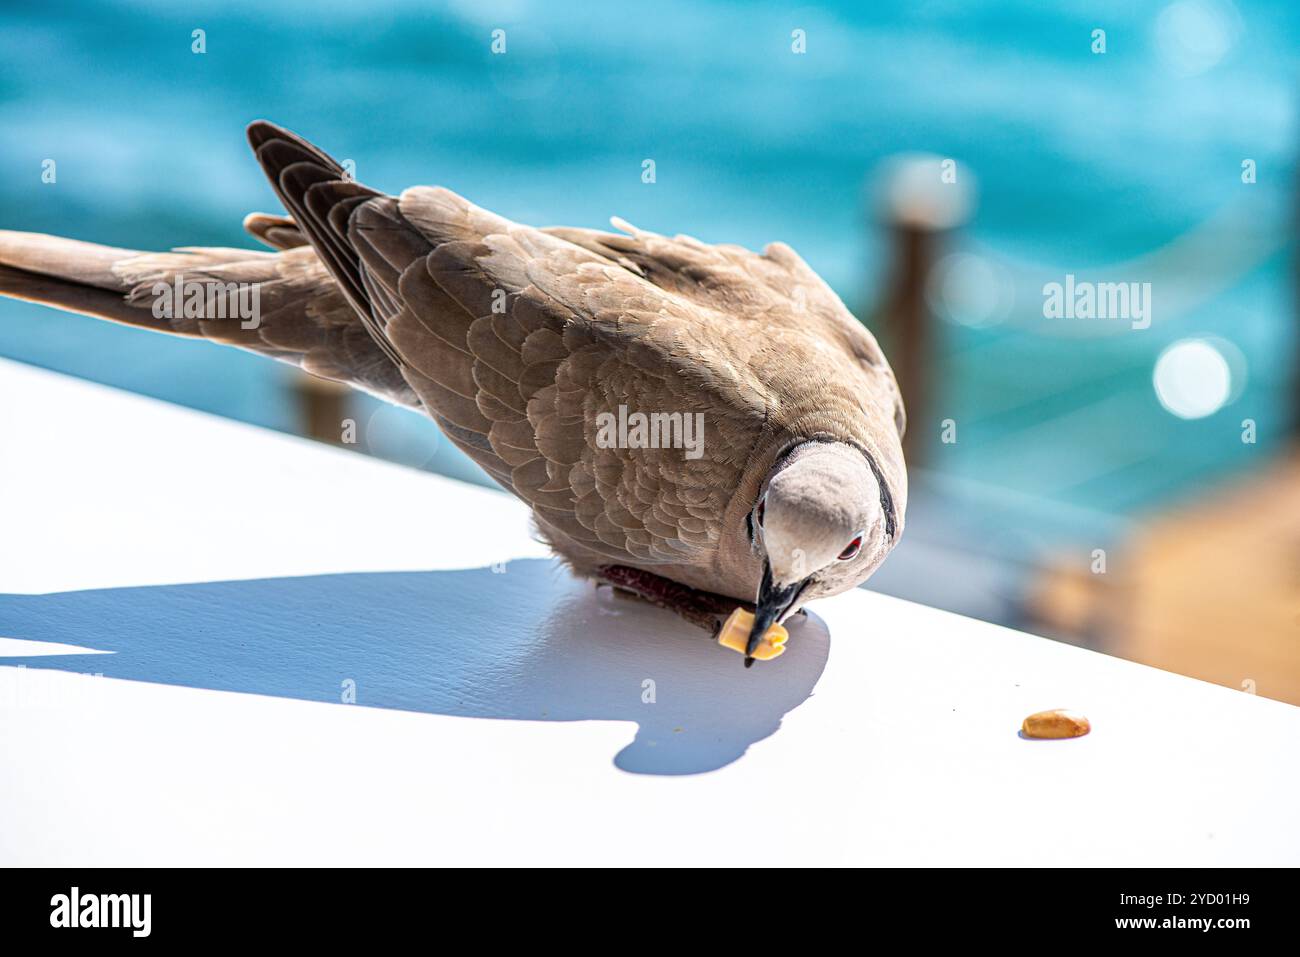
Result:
<point x="529" y="643"/>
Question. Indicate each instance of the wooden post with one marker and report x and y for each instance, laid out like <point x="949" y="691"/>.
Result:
<point x="922" y="198"/>
<point x="1295" y="332"/>
<point x="322" y="407"/>
<point x="909" y="323"/>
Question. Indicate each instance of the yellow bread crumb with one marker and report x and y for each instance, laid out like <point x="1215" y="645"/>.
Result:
<point x="1059" y="723"/>
<point x="735" y="635"/>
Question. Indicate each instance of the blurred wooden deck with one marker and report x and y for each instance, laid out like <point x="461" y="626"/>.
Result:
<point x="1210" y="590"/>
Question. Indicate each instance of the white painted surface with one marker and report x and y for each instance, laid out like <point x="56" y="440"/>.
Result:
<point x="239" y="577"/>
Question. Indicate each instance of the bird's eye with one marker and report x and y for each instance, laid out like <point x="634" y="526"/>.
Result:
<point x="852" y="549"/>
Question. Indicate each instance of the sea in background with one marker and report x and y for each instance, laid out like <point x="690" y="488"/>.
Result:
<point x="1125" y="165"/>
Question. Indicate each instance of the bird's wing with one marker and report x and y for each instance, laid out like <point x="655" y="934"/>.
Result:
<point x="776" y="287"/>
<point x="831" y="376"/>
<point x="519" y="343"/>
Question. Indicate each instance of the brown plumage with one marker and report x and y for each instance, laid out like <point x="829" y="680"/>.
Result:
<point x="516" y="340"/>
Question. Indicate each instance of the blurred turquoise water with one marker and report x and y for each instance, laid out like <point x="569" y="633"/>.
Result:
<point x="1083" y="162"/>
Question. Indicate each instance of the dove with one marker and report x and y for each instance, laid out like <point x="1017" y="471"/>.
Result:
<point x="521" y="343"/>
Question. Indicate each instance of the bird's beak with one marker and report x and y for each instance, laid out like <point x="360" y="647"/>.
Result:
<point x="772" y="604"/>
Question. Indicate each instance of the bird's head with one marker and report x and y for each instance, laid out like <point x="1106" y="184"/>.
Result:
<point x="824" y="520"/>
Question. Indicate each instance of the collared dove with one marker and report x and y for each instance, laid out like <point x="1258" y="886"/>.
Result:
<point x="527" y="345"/>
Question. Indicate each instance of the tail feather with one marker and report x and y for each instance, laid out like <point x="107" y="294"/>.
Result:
<point x="300" y="316"/>
<point x="68" y="259"/>
<point x="108" y="282"/>
<point x="278" y="232"/>
<point x="72" y="275"/>
<point x="71" y="296"/>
